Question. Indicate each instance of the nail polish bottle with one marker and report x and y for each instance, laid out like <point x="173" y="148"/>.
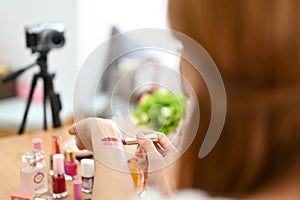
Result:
<point x="33" y="177"/>
<point x="77" y="187"/>
<point x="56" y="149"/>
<point x="87" y="175"/>
<point x="59" y="187"/>
<point x="70" y="165"/>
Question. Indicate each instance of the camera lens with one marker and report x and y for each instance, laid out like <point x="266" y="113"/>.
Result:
<point x="55" y="39"/>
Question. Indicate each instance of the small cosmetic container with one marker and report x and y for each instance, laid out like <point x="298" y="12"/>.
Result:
<point x="59" y="187"/>
<point x="70" y="165"/>
<point x="56" y="149"/>
<point x="33" y="177"/>
<point x="87" y="175"/>
<point x="21" y="195"/>
<point x="77" y="187"/>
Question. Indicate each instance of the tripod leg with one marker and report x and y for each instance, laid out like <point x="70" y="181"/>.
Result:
<point x="45" y="104"/>
<point x="54" y="100"/>
<point x="33" y="84"/>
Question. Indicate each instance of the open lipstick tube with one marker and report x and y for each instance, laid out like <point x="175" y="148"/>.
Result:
<point x="132" y="141"/>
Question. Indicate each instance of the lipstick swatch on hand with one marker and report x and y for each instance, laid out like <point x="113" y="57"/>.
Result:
<point x="111" y="141"/>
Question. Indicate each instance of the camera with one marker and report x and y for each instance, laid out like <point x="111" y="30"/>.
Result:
<point x="44" y="37"/>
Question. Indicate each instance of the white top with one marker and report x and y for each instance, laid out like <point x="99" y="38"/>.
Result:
<point x="187" y="194"/>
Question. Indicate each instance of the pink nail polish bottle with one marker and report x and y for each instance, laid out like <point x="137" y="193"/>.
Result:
<point x="77" y="187"/>
<point x="59" y="188"/>
<point x="70" y="165"/>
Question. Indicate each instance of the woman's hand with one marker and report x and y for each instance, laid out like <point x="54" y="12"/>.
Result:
<point x="154" y="158"/>
<point x="103" y="138"/>
<point x="72" y="130"/>
<point x="85" y="129"/>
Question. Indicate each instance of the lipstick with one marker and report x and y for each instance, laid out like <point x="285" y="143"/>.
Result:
<point x="56" y="149"/>
<point x="132" y="141"/>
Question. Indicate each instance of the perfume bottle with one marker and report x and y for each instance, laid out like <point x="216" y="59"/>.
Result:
<point x="59" y="187"/>
<point x="87" y="175"/>
<point x="70" y="165"/>
<point x="33" y="177"/>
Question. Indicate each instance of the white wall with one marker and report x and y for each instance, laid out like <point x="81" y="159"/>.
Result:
<point x="16" y="14"/>
<point x="95" y="18"/>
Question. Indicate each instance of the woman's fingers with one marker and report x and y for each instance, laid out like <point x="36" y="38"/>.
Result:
<point x="147" y="144"/>
<point x="163" y="140"/>
<point x="72" y="130"/>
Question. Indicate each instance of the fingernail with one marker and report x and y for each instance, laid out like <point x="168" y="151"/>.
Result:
<point x="140" y="135"/>
<point x="159" y="135"/>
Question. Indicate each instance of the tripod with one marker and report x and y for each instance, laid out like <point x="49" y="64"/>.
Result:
<point x="48" y="91"/>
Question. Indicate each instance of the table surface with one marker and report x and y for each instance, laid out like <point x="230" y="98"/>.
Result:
<point x="13" y="147"/>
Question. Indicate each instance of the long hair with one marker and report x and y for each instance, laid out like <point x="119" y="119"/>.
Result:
<point x="256" y="46"/>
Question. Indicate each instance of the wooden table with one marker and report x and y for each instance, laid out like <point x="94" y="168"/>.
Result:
<point x="11" y="150"/>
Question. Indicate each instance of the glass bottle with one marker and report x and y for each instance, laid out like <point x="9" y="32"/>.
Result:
<point x="70" y="165"/>
<point x="59" y="187"/>
<point x="87" y="175"/>
<point x="33" y="177"/>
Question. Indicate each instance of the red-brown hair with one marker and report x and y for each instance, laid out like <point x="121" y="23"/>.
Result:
<point x="256" y="46"/>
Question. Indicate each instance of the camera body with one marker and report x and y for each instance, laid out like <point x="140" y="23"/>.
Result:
<point x="44" y="37"/>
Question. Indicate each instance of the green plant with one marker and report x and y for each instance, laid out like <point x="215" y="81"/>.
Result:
<point x="160" y="110"/>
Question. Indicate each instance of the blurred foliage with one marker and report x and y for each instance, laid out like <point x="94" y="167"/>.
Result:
<point x="160" y="110"/>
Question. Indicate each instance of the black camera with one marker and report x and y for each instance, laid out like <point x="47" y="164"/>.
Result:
<point x="44" y="37"/>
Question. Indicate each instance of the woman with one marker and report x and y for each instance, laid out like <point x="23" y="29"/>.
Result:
<point x="256" y="46"/>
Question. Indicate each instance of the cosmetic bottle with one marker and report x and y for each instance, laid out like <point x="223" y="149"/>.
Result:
<point x="33" y="177"/>
<point x="70" y="165"/>
<point x="59" y="187"/>
<point x="56" y="149"/>
<point x="87" y="175"/>
<point x="77" y="187"/>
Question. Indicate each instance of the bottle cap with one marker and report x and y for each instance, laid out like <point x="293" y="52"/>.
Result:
<point x="77" y="187"/>
<point x="58" y="163"/>
<point x="37" y="144"/>
<point x="87" y="168"/>
<point x="70" y="155"/>
<point x="32" y="157"/>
